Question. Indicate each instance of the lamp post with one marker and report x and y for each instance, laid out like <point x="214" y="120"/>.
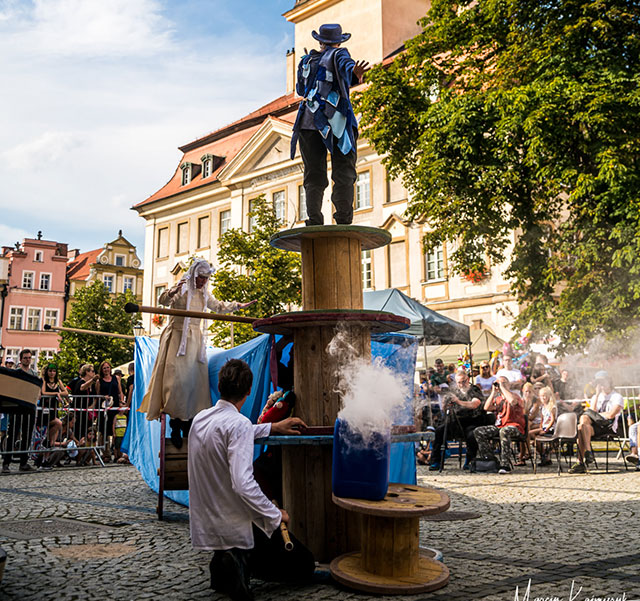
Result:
<point x="138" y="329"/>
<point x="2" y="349"/>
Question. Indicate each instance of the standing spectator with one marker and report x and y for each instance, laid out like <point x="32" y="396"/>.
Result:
<point x="130" y="382"/>
<point x="23" y="419"/>
<point x="532" y="408"/>
<point x="119" y="429"/>
<point x="439" y="377"/>
<point x="539" y="375"/>
<point x="513" y="375"/>
<point x="54" y="393"/>
<point x="109" y="388"/>
<point x="601" y="418"/>
<point x="486" y="379"/>
<point x="84" y="391"/>
<point x="509" y="408"/>
<point x="9" y="364"/>
<point x="565" y="387"/>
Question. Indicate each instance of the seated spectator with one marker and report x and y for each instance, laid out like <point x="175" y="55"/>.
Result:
<point x="509" y="409"/>
<point x="601" y="418"/>
<point x="466" y="414"/>
<point x="84" y="391"/>
<point x="539" y="375"/>
<point x="532" y="407"/>
<point x="486" y="379"/>
<point x="549" y="413"/>
<point x="513" y="375"/>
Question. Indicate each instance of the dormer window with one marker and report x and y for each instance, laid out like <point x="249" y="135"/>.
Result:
<point x="207" y="165"/>
<point x="38" y="256"/>
<point x="187" y="170"/>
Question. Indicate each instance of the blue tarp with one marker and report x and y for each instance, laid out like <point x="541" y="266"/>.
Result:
<point x="142" y="441"/>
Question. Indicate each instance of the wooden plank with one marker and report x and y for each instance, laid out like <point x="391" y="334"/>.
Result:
<point x="176" y="481"/>
<point x="343" y="274"/>
<point x="355" y="273"/>
<point x="308" y="280"/>
<point x="325" y="274"/>
<point x="316" y="502"/>
<point x="175" y="465"/>
<point x="308" y="351"/>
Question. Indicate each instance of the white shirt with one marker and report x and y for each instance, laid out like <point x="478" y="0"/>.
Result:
<point x="485" y="383"/>
<point x="513" y="375"/>
<point x="224" y="498"/>
<point x="603" y="403"/>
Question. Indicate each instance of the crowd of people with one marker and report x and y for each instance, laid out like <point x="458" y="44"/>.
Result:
<point x="81" y="422"/>
<point x="502" y="414"/>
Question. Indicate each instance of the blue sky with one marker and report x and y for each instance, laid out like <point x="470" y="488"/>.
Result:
<point x="98" y="95"/>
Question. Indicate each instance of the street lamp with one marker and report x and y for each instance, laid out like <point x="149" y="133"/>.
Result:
<point x="2" y="349"/>
<point x="138" y="329"/>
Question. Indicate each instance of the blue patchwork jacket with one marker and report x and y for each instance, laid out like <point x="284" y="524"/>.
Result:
<point x="324" y="80"/>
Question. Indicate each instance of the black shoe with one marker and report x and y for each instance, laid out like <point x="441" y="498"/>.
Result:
<point x="434" y="467"/>
<point x="588" y="458"/>
<point x="230" y="575"/>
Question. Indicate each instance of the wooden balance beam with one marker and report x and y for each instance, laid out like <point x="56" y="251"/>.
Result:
<point x="133" y="308"/>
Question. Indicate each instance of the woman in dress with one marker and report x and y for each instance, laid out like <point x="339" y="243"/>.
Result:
<point x="179" y="384"/>
<point x="53" y="391"/>
<point x="108" y="387"/>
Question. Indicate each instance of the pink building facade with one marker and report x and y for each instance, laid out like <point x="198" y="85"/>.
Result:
<point x="34" y="295"/>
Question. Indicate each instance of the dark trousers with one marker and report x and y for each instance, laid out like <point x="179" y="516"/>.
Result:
<point x="343" y="174"/>
<point x="270" y="561"/>
<point x="457" y="427"/>
<point x="21" y="425"/>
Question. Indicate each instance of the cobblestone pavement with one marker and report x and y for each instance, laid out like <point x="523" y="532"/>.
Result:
<point x="552" y="530"/>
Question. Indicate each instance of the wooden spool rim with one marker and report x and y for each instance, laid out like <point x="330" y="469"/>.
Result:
<point x="401" y="501"/>
<point x="431" y="575"/>
<point x="376" y="321"/>
<point x="370" y="237"/>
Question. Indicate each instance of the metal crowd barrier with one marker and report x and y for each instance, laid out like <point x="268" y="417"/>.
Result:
<point x="631" y="396"/>
<point x="75" y="427"/>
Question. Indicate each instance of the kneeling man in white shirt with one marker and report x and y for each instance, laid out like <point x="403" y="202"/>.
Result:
<point x="228" y="513"/>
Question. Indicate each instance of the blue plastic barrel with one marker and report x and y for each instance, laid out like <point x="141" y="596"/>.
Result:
<point x="360" y="471"/>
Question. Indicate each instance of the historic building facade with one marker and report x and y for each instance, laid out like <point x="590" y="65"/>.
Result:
<point x="116" y="265"/>
<point x="220" y="175"/>
<point x="34" y="295"/>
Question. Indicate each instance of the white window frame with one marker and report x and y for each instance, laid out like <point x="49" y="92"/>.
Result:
<point x="111" y="288"/>
<point x="367" y="269"/>
<point x="12" y="353"/>
<point x="38" y="256"/>
<point x="35" y="355"/>
<point x="167" y="231"/>
<point x="50" y="319"/>
<point x="363" y="190"/>
<point x="49" y="283"/>
<point x="22" y="316"/>
<point x="281" y="206"/>
<point x="32" y="275"/>
<point x="132" y="279"/>
<point x="119" y="256"/>
<point x="435" y="256"/>
<point x="158" y="290"/>
<point x="252" y="220"/>
<point x="199" y="241"/>
<point x="186" y="173"/>
<point x="226" y="222"/>
<point x="29" y="317"/>
<point x="49" y="353"/>
<point x="207" y="167"/>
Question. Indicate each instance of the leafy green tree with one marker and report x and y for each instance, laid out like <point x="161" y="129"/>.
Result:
<point x="514" y="124"/>
<point x="250" y="268"/>
<point x="93" y="308"/>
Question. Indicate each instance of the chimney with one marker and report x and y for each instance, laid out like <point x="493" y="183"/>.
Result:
<point x="291" y="70"/>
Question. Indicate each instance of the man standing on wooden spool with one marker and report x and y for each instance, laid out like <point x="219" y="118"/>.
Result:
<point x="326" y="121"/>
<point x="228" y="513"/>
<point x="179" y="384"/>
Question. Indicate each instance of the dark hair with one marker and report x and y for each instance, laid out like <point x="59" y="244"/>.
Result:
<point x="234" y="380"/>
<point x="23" y="352"/>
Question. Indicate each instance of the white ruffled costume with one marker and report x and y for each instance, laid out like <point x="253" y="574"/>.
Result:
<point x="179" y="384"/>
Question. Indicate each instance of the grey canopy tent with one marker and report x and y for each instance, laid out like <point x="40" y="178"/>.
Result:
<point x="429" y="327"/>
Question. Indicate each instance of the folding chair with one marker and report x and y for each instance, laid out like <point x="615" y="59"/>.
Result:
<point x="565" y="430"/>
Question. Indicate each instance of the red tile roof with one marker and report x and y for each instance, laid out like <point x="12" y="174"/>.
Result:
<point x="79" y="268"/>
<point x="225" y="142"/>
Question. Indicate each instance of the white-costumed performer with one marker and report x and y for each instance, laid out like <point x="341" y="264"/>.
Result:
<point x="179" y="384"/>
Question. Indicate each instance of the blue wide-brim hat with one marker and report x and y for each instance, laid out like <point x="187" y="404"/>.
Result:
<point x="331" y="34"/>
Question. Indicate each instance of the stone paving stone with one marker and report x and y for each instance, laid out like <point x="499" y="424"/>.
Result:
<point x="551" y="529"/>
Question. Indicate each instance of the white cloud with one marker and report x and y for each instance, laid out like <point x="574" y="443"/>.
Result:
<point x="50" y="147"/>
<point x="10" y="235"/>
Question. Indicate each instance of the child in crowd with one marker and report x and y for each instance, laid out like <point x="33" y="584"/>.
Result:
<point x="533" y="409"/>
<point x="119" y="429"/>
<point x="549" y="412"/>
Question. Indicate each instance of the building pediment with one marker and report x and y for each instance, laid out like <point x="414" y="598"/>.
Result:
<point x="267" y="151"/>
<point x="395" y="225"/>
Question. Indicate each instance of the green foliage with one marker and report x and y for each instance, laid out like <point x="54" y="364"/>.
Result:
<point x="517" y="120"/>
<point x="94" y="309"/>
<point x="250" y="268"/>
